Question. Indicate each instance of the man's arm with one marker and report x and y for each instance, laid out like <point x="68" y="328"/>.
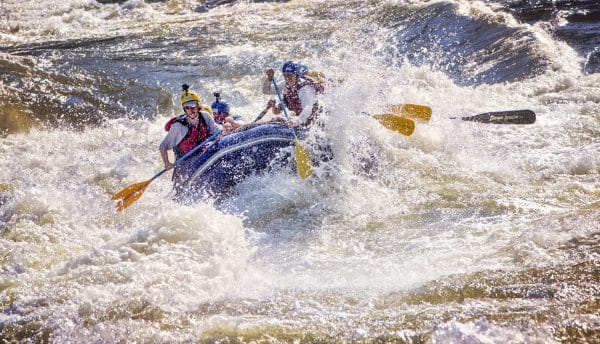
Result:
<point x="175" y="135"/>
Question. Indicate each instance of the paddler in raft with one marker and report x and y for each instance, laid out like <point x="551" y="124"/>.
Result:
<point x="187" y="130"/>
<point x="223" y="117"/>
<point x="300" y="92"/>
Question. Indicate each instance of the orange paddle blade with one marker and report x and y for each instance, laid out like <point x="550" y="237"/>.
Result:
<point x="130" y="194"/>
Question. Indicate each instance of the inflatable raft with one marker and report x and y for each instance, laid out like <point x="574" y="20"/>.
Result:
<point x="232" y="158"/>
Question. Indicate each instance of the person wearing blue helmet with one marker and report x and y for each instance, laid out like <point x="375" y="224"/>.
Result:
<point x="223" y="116"/>
<point x="299" y="92"/>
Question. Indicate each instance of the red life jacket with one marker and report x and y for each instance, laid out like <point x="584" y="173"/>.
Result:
<point x="291" y="98"/>
<point x="193" y="137"/>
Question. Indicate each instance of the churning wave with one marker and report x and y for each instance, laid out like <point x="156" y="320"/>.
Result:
<point x="471" y="49"/>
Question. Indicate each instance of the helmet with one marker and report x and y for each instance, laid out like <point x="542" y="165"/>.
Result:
<point x="219" y="106"/>
<point x="294" y="68"/>
<point x="189" y="96"/>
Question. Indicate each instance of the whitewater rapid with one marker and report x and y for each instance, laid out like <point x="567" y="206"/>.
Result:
<point x="461" y="232"/>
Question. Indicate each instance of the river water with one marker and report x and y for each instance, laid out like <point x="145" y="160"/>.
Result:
<point x="460" y="233"/>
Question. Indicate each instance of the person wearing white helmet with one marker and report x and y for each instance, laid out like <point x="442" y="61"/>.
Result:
<point x="188" y="130"/>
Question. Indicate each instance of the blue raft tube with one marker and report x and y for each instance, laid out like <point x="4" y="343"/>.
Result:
<point x="231" y="159"/>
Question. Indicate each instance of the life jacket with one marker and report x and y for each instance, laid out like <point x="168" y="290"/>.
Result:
<point x="292" y="100"/>
<point x="193" y="137"/>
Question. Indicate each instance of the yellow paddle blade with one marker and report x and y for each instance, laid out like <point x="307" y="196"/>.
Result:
<point x="415" y="111"/>
<point x="302" y="161"/>
<point x="130" y="194"/>
<point x="393" y="122"/>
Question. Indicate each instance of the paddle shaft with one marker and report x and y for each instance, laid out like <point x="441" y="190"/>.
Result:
<point x="261" y="115"/>
<point x="281" y="101"/>
<point x="303" y="163"/>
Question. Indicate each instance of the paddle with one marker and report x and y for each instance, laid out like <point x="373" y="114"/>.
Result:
<point x="503" y="117"/>
<point x="302" y="157"/>
<point x="261" y="114"/>
<point x="403" y="125"/>
<point x="421" y="112"/>
<point x="396" y="123"/>
<point x="133" y="192"/>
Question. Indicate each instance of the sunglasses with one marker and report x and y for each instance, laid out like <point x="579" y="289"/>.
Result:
<point x="189" y="107"/>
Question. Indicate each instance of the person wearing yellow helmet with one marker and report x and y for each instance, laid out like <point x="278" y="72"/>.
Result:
<point x="188" y="130"/>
